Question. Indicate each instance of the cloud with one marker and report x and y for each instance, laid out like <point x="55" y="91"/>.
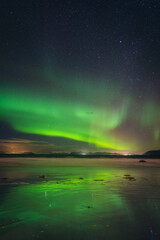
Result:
<point x="14" y="145"/>
<point x="15" y="140"/>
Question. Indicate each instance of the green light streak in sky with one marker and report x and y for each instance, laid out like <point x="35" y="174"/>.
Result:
<point x="150" y="114"/>
<point x="82" y="110"/>
<point x="53" y="117"/>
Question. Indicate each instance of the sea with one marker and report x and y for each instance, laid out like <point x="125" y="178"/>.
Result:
<point x="79" y="199"/>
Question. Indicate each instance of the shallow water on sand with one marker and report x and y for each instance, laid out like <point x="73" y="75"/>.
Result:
<point x="79" y="199"/>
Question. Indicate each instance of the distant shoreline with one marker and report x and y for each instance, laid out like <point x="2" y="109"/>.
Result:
<point x="70" y="155"/>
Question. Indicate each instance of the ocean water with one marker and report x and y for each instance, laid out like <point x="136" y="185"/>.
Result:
<point x="79" y="199"/>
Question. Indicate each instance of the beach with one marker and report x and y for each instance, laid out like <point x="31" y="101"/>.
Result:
<point x="79" y="199"/>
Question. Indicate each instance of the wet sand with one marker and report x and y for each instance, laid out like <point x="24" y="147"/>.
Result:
<point x="79" y="199"/>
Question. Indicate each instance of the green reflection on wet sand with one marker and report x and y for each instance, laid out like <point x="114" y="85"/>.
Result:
<point x="79" y="203"/>
<point x="69" y="204"/>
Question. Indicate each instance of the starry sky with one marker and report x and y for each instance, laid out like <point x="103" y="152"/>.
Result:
<point x="79" y="76"/>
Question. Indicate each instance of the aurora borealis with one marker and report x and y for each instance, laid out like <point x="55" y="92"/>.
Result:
<point x="80" y="77"/>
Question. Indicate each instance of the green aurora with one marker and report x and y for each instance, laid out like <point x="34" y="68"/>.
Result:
<point x="76" y="108"/>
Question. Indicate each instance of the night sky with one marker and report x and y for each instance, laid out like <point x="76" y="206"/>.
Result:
<point x="79" y="76"/>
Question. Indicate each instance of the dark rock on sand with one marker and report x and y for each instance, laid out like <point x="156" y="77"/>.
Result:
<point x="98" y="180"/>
<point x="142" y="161"/>
<point x="130" y="178"/>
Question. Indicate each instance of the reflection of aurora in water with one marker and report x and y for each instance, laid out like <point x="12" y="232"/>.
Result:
<point x="45" y="200"/>
<point x="65" y="203"/>
<point x="83" y="202"/>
